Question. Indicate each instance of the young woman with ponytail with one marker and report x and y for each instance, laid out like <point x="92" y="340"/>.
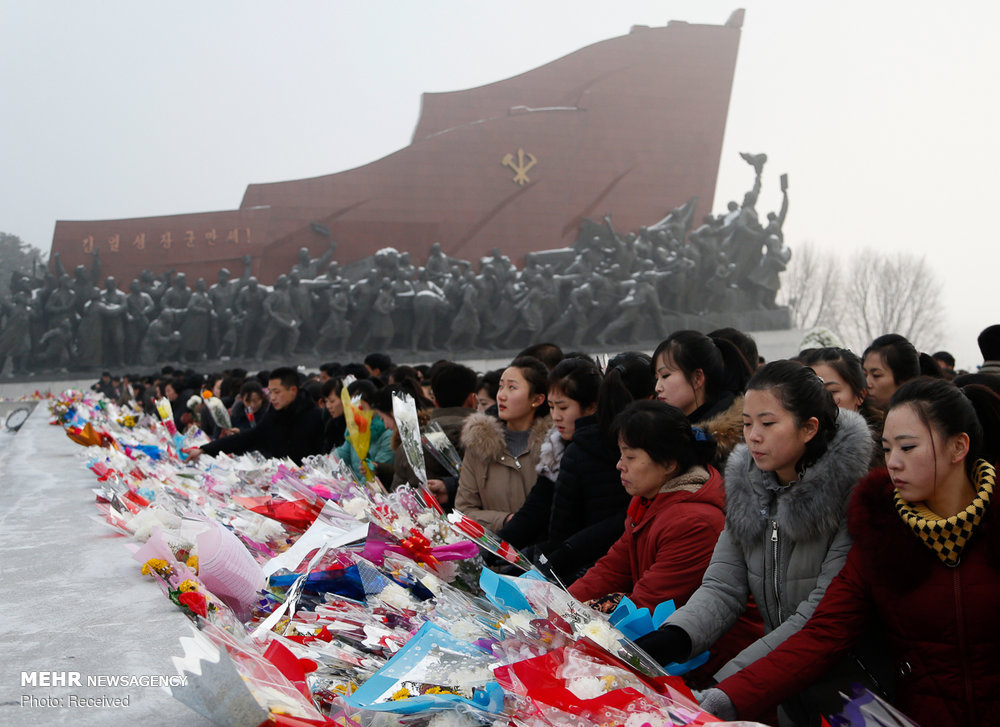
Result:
<point x="704" y="377"/>
<point x="924" y="568"/>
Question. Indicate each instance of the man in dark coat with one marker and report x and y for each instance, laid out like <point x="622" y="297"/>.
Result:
<point x="292" y="427"/>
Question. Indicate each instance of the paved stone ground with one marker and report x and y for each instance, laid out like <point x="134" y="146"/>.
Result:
<point x="72" y="597"/>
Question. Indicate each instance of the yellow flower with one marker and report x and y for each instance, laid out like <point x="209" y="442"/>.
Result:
<point x="439" y="690"/>
<point x="192" y="563"/>
<point x="403" y="693"/>
<point x="154" y="564"/>
<point x="188" y="585"/>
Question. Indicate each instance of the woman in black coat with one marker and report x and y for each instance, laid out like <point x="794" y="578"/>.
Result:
<point x="578" y="515"/>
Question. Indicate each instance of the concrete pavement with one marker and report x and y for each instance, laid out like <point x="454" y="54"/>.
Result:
<point x="73" y="600"/>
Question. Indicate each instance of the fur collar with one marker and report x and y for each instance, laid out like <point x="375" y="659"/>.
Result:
<point x="484" y="435"/>
<point x="890" y="551"/>
<point x="550" y="455"/>
<point x="726" y="428"/>
<point x="814" y="506"/>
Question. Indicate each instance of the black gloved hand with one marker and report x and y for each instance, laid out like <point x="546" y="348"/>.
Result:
<point x="667" y="644"/>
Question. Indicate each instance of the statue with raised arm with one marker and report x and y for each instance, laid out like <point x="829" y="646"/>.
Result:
<point x="765" y="277"/>
<point x="744" y="241"/>
<point x="308" y="268"/>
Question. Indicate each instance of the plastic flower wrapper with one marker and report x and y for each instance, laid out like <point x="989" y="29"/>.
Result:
<point x="434" y="671"/>
<point x="584" y="680"/>
<point x="232" y="683"/>
<point x="359" y="431"/>
<point x="441" y="448"/>
<point x="217" y="410"/>
<point x="404" y="411"/>
<point x="166" y="412"/>
<point x="332" y="528"/>
<point x="865" y="709"/>
<point x="329" y="477"/>
<point x="489" y="541"/>
<point x="463" y="615"/>
<point x="531" y="592"/>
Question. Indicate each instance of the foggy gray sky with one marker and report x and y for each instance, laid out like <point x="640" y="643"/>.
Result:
<point x="884" y="115"/>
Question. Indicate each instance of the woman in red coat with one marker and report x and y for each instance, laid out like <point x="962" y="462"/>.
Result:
<point x="673" y="520"/>
<point x="925" y="568"/>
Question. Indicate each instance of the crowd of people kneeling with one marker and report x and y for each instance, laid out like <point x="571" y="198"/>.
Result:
<point x="818" y="521"/>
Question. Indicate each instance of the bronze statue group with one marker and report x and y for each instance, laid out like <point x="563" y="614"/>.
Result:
<point x="608" y="287"/>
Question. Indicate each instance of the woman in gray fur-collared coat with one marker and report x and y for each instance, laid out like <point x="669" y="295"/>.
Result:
<point x="785" y="537"/>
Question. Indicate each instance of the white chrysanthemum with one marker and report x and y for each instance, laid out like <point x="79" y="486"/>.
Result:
<point x="586" y="687"/>
<point x="601" y="633"/>
<point x="395" y="595"/>
<point x="357" y="507"/>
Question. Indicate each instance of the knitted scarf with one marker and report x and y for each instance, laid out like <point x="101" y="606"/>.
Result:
<point x="947" y="536"/>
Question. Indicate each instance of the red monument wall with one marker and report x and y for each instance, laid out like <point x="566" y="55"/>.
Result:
<point x="631" y="126"/>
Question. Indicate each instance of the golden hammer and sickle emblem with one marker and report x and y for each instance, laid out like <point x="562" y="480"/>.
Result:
<point x="525" y="161"/>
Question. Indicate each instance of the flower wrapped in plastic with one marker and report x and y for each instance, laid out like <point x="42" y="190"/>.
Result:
<point x="441" y="448"/>
<point x="404" y="412"/>
<point x="583" y="681"/>
<point x="232" y="682"/>
<point x="359" y="431"/>
<point x="434" y="671"/>
<point x="489" y="541"/>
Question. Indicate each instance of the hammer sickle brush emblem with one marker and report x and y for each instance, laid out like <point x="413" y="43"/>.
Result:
<point x="525" y="161"/>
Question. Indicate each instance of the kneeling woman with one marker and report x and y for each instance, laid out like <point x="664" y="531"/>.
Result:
<point x="925" y="567"/>
<point x="786" y="535"/>
<point x="674" y="518"/>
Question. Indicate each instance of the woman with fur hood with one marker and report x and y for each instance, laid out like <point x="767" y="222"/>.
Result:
<point x="785" y="536"/>
<point x="498" y="470"/>
<point x="704" y="377"/>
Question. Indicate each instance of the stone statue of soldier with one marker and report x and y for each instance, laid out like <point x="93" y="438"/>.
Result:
<point x="139" y="310"/>
<point x="281" y="326"/>
<point x="112" y="307"/>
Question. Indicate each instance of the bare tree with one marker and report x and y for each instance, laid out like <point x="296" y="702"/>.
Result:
<point x="891" y="293"/>
<point x="810" y="287"/>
